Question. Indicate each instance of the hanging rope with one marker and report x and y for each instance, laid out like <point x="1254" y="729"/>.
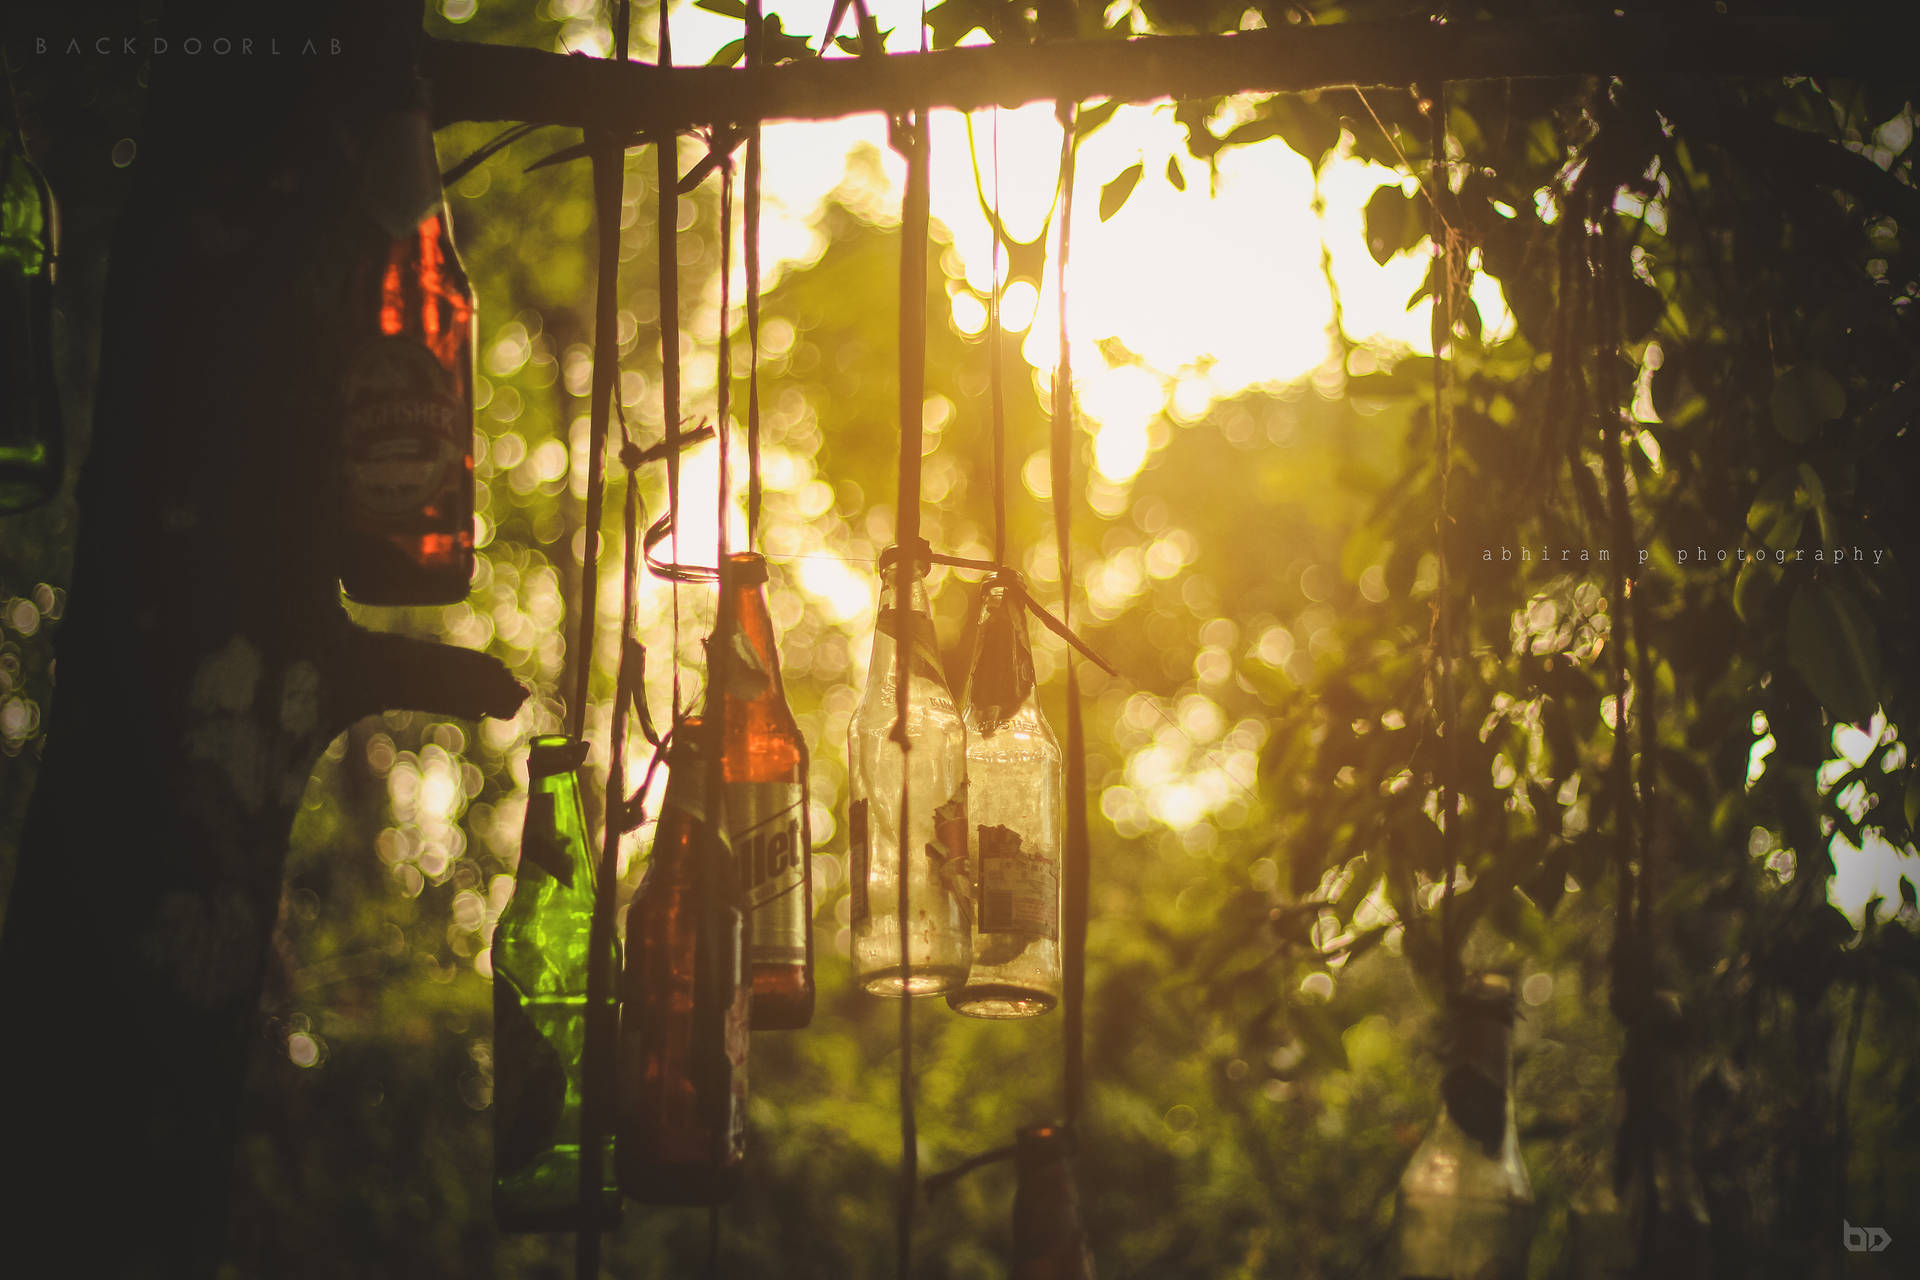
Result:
<point x="755" y="27"/>
<point x="909" y="132"/>
<point x="666" y="234"/>
<point x="995" y="387"/>
<point x="1440" y="331"/>
<point x="1075" y="868"/>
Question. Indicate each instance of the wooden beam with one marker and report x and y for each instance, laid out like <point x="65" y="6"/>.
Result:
<point x="493" y="82"/>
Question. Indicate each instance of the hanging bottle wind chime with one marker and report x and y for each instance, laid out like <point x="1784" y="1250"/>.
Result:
<point x="1016" y="795"/>
<point x="1049" y="1242"/>
<point x="932" y="853"/>
<point x="1464" y="1210"/>
<point x="541" y="956"/>
<point x="32" y="440"/>
<point x="408" y="386"/>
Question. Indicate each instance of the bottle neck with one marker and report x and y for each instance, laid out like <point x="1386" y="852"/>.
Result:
<point x="924" y="661"/>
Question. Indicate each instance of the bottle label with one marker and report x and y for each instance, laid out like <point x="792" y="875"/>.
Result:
<point x="405" y="422"/>
<point x="947" y="851"/>
<point x="1019" y="892"/>
<point x="768" y="822"/>
<point x="858" y="858"/>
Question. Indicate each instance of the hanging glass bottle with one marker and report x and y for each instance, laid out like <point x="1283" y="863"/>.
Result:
<point x="408" y="517"/>
<point x="32" y="441"/>
<point x="681" y="1098"/>
<point x="1666" y="1218"/>
<point x="1049" y="1242"/>
<point x="1465" y="1208"/>
<point x="540" y="956"/>
<point x="934" y="850"/>
<point x="764" y="763"/>
<point x="1016" y="801"/>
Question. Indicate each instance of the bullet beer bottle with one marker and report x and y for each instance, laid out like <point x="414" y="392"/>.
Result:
<point x="1049" y="1242"/>
<point x="681" y="1099"/>
<point x="408" y="517"/>
<point x="932" y="852"/>
<point x="764" y="763"/>
<point x="1464" y="1210"/>
<point x="32" y="441"/>
<point x="1016" y="801"/>
<point x="540" y="955"/>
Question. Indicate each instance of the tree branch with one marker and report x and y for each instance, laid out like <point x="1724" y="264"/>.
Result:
<point x="474" y="81"/>
<point x="380" y="671"/>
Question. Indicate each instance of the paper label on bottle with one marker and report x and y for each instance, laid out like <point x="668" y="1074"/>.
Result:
<point x="769" y="825"/>
<point x="1019" y="891"/>
<point x="947" y="851"/>
<point x="406" y="426"/>
<point x="859" y="858"/>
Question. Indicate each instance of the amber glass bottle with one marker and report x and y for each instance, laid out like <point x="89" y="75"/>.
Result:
<point x="763" y="760"/>
<point x="681" y="1101"/>
<point x="408" y="506"/>
<point x="1049" y="1242"/>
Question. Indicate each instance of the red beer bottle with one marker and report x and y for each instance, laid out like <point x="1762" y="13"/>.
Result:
<point x="763" y="761"/>
<point x="408" y="511"/>
<point x="681" y="1103"/>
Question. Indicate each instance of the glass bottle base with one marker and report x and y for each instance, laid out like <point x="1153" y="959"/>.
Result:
<point x="922" y="980"/>
<point x="1001" y="1000"/>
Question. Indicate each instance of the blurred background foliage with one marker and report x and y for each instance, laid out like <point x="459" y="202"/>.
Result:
<point x="1713" y="281"/>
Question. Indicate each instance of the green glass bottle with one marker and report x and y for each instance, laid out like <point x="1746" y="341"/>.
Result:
<point x="32" y="441"/>
<point x="540" y="958"/>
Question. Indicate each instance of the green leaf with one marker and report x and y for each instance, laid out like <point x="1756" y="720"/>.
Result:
<point x="1805" y="397"/>
<point x="1091" y="118"/>
<point x="725" y="8"/>
<point x="1175" y="178"/>
<point x="728" y="54"/>
<point x="1115" y="193"/>
<point x="1393" y="223"/>
<point x="1831" y="642"/>
<point x="1907" y="893"/>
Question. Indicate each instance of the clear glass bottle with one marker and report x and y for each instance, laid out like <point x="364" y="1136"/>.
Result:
<point x="940" y="887"/>
<point x="1016" y="802"/>
<point x="540" y="958"/>
<point x="32" y="439"/>
<point x="763" y="760"/>
<point x="1464" y="1210"/>
<point x="1049" y="1242"/>
<point x="680" y="1108"/>
<point x="408" y="517"/>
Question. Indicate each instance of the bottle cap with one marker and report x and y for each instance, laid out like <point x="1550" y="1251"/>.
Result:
<point x="919" y="550"/>
<point x="553" y="753"/>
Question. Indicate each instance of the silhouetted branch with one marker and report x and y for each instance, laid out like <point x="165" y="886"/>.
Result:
<point x="473" y="81"/>
<point x="379" y="671"/>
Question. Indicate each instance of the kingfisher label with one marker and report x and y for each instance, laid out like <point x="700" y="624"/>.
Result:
<point x="1019" y="891"/>
<point x="405" y="420"/>
<point x="769" y="825"/>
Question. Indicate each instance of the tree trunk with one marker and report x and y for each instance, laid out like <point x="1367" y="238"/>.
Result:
<point x="205" y="660"/>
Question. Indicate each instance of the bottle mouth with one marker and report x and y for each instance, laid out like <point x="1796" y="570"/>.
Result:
<point x="918" y="550"/>
<point x="746" y="568"/>
<point x="552" y="753"/>
<point x="1044" y="1140"/>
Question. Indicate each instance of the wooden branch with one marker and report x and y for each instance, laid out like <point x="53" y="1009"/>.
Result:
<point x="473" y="81"/>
